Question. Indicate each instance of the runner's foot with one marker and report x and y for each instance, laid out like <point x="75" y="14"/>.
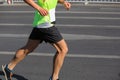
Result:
<point x="51" y="78"/>
<point x="7" y="73"/>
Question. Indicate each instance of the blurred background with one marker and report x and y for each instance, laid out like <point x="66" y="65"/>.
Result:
<point x="91" y="28"/>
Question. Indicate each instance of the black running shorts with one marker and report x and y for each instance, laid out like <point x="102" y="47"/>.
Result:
<point x="51" y="35"/>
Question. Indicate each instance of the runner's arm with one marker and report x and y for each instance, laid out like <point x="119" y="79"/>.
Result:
<point x="66" y="4"/>
<point x="42" y="11"/>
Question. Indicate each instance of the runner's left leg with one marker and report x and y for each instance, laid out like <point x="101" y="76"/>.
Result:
<point x="58" y="60"/>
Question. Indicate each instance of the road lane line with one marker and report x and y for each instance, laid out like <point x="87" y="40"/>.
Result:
<point x="73" y="17"/>
<point x="105" y="18"/>
<point x="72" y="12"/>
<point x="66" y="25"/>
<point x="68" y="55"/>
<point x="14" y="24"/>
<point x="66" y="36"/>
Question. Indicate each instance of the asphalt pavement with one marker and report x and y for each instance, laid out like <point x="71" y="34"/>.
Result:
<point x="92" y="33"/>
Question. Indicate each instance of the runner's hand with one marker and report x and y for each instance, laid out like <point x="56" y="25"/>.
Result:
<point x="43" y="12"/>
<point x="67" y="5"/>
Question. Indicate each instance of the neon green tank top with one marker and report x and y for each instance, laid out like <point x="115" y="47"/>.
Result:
<point x="45" y="21"/>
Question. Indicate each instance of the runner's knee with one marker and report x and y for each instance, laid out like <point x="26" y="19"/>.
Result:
<point x="63" y="50"/>
<point x="23" y="52"/>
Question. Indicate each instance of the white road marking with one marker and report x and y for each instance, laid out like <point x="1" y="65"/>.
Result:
<point x="17" y="12"/>
<point x="68" y="55"/>
<point x="86" y="37"/>
<point x="110" y="8"/>
<point x="76" y="17"/>
<point x="14" y="24"/>
<point x="66" y="25"/>
<point x="87" y="12"/>
<point x="105" y="18"/>
<point x="14" y="35"/>
<point x="72" y="12"/>
<point x="76" y="12"/>
<point x="66" y="36"/>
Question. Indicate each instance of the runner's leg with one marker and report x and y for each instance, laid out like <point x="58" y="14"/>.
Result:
<point x="62" y="50"/>
<point x="22" y="52"/>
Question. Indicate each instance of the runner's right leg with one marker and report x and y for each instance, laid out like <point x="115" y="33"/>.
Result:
<point x="22" y="52"/>
<point x="20" y="55"/>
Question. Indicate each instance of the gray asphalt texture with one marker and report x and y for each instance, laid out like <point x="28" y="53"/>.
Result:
<point x="91" y="32"/>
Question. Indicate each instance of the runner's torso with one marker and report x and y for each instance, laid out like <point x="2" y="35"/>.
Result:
<point x="45" y="21"/>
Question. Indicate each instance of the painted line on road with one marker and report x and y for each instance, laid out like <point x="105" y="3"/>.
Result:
<point x="73" y="4"/>
<point x="74" y="17"/>
<point x="16" y="12"/>
<point x="68" y="55"/>
<point x="66" y="25"/>
<point x="110" y="8"/>
<point x="68" y="17"/>
<point x="105" y="18"/>
<point x="87" y="12"/>
<point x="66" y="36"/>
<point x="71" y="18"/>
<point x="69" y="12"/>
<point x="91" y="26"/>
<point x="14" y="24"/>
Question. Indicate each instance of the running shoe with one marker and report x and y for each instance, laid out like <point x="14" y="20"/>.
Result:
<point x="7" y="73"/>
<point x="51" y="78"/>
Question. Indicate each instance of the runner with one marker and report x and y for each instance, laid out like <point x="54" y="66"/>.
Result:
<point x="43" y="30"/>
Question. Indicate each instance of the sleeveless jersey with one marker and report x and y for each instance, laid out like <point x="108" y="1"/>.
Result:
<point x="45" y="21"/>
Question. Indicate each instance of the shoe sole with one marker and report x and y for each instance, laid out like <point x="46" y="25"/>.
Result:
<point x="5" y="75"/>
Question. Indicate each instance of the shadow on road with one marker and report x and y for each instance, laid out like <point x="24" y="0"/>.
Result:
<point x="17" y="77"/>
